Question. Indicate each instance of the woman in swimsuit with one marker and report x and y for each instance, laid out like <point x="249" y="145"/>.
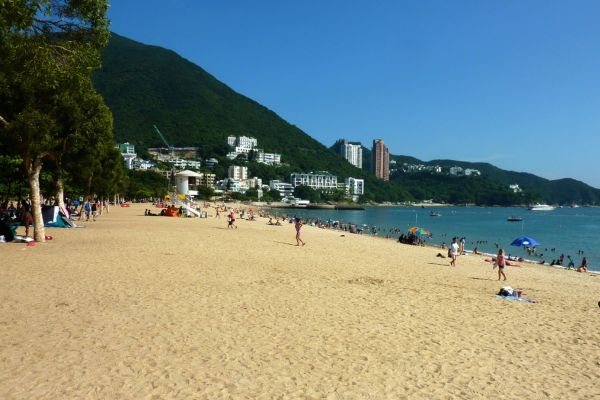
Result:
<point x="501" y="263"/>
<point x="298" y="226"/>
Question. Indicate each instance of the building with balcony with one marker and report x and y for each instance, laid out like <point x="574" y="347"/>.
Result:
<point x="237" y="172"/>
<point x="319" y="181"/>
<point x="285" y="189"/>
<point x="355" y="186"/>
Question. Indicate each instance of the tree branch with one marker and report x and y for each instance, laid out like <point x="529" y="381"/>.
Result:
<point x="5" y="122"/>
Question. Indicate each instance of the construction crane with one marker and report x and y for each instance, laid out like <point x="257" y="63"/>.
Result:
<point x="169" y="146"/>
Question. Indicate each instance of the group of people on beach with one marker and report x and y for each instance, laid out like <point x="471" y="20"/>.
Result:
<point x="22" y="215"/>
<point x="16" y="215"/>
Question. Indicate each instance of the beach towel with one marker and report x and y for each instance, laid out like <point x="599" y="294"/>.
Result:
<point x="524" y="299"/>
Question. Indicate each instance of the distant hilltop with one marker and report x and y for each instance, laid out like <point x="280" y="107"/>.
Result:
<point x="148" y="85"/>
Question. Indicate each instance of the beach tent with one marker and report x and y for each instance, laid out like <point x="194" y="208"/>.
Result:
<point x="525" y="241"/>
<point x="55" y="218"/>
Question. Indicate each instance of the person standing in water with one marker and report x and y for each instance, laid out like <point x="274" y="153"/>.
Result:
<point x="298" y="226"/>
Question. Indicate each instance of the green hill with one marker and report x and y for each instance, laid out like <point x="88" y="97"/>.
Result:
<point x="560" y="191"/>
<point x="147" y="85"/>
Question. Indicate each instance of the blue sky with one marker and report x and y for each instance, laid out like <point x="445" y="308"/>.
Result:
<point x="513" y="83"/>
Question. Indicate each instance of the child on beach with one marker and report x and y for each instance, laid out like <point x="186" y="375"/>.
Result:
<point x="500" y="263"/>
<point x="298" y="226"/>
<point x="453" y="252"/>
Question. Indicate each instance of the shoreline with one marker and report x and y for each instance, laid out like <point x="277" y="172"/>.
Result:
<point x="316" y="218"/>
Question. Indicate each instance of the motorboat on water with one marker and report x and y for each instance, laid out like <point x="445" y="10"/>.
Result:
<point x="514" y="218"/>
<point x="541" y="207"/>
<point x="435" y="214"/>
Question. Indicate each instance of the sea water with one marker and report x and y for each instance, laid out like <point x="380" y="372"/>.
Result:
<point x="566" y="230"/>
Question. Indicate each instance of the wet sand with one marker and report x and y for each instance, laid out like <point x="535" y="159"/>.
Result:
<point x="136" y="307"/>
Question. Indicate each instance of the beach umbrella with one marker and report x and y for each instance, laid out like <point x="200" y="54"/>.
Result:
<point x="524" y="241"/>
<point x="419" y="231"/>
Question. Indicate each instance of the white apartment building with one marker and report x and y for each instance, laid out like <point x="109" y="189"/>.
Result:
<point x="238" y="172"/>
<point x="353" y="153"/>
<point x="242" y="149"/>
<point x="268" y="158"/>
<point x="319" y="181"/>
<point x="252" y="183"/>
<point x="242" y="141"/>
<point x="355" y="186"/>
<point x="179" y="163"/>
<point x="284" y="188"/>
<point x="143" y="164"/>
<point x="247" y="142"/>
<point x="128" y="152"/>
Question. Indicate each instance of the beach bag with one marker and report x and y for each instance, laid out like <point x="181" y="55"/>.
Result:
<point x="449" y="252"/>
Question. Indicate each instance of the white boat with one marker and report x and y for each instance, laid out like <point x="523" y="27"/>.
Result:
<point x="541" y="207"/>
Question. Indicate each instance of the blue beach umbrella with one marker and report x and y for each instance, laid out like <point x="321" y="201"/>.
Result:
<point x="524" y="241"/>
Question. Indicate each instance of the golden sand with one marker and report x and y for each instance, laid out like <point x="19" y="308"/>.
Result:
<point x="136" y="307"/>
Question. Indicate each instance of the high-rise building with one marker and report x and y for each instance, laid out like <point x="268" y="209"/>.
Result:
<point x="381" y="160"/>
<point x="351" y="152"/>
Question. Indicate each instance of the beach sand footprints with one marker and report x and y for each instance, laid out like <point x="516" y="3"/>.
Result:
<point x="367" y="281"/>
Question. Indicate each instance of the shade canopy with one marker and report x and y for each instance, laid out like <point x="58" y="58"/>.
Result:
<point x="525" y="241"/>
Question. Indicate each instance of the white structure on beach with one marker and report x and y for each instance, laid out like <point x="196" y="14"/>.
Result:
<point x="185" y="181"/>
<point x="318" y="181"/>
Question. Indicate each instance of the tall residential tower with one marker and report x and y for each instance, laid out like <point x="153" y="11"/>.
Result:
<point x="381" y="160"/>
<point x="351" y="152"/>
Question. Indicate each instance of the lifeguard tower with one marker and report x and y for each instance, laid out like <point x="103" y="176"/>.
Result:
<point x="186" y="182"/>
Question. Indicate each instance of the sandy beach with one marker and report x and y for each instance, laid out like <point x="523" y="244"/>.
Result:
<point x="136" y="307"/>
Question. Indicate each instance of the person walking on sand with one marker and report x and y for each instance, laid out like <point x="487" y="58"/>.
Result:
<point x="298" y="226"/>
<point x="500" y="263"/>
<point x="231" y="220"/>
<point x="453" y="252"/>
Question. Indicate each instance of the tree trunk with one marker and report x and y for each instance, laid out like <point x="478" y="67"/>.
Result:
<point x="60" y="192"/>
<point x="33" y="169"/>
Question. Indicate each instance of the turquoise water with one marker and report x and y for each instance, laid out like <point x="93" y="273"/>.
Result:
<point x="565" y="229"/>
